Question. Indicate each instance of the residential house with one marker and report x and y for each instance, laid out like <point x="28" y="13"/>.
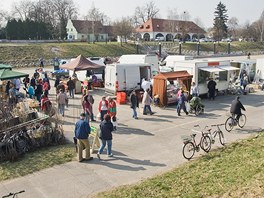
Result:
<point x="169" y="30"/>
<point x="84" y="30"/>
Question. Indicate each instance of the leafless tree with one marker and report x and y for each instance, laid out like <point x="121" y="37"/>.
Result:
<point x="97" y="18"/>
<point x="183" y="25"/>
<point x="22" y="9"/>
<point x="144" y="13"/>
<point x="233" y="26"/>
<point x="123" y="28"/>
<point x="259" y="25"/>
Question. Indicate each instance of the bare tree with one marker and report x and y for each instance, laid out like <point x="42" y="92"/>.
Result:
<point x="144" y="13"/>
<point x="233" y="26"/>
<point x="123" y="28"/>
<point x="22" y="9"/>
<point x="259" y="25"/>
<point x="97" y="18"/>
<point x="183" y="24"/>
<point x="64" y="10"/>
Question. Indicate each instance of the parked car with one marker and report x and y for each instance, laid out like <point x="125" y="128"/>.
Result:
<point x="60" y="73"/>
<point x="226" y="40"/>
<point x="160" y="38"/>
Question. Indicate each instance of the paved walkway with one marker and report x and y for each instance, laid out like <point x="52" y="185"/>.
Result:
<point x="141" y="148"/>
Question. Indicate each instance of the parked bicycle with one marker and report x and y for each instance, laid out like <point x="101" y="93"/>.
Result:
<point x="232" y="121"/>
<point x="217" y="133"/>
<point x="190" y="145"/>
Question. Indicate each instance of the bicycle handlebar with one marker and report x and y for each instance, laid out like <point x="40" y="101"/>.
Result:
<point x="10" y="194"/>
<point x="217" y="125"/>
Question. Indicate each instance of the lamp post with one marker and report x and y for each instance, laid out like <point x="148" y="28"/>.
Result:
<point x="180" y="48"/>
<point x="228" y="47"/>
<point x="159" y="49"/>
<point x="137" y="47"/>
<point x="214" y="47"/>
<point x="198" y="48"/>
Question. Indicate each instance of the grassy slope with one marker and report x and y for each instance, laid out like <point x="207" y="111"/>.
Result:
<point x="232" y="171"/>
<point x="62" y="50"/>
<point x="38" y="160"/>
<point x="13" y="52"/>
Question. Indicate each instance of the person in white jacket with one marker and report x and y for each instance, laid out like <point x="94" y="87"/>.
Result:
<point x="146" y="102"/>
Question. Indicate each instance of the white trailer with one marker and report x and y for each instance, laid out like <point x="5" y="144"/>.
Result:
<point x="151" y="59"/>
<point x="260" y="69"/>
<point x="125" y="77"/>
<point x="220" y="70"/>
<point x="171" y="59"/>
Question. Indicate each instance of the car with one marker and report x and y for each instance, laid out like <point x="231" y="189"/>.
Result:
<point x="160" y="38"/>
<point x="226" y="40"/>
<point x="60" y="73"/>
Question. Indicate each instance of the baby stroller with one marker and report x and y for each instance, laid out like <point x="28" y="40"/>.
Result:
<point x="196" y="106"/>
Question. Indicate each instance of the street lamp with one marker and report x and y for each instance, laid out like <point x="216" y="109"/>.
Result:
<point x="137" y="47"/>
<point x="180" y="48"/>
<point x="228" y="47"/>
<point x="214" y="47"/>
<point x="159" y="49"/>
<point x="198" y="48"/>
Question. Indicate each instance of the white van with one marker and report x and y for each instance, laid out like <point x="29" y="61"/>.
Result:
<point x="125" y="77"/>
<point x="142" y="58"/>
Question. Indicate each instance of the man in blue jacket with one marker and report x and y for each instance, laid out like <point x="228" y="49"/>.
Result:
<point x="82" y="131"/>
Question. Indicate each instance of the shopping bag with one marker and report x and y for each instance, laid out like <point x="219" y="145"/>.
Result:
<point x="188" y="107"/>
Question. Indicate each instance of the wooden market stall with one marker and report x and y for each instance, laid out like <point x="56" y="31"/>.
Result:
<point x="160" y="84"/>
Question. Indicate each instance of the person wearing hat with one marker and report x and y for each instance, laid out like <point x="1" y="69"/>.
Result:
<point x="236" y="107"/>
<point x="82" y="131"/>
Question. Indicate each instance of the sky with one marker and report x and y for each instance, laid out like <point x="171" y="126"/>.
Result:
<point x="244" y="11"/>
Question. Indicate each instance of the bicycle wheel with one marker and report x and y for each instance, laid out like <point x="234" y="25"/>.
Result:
<point x="242" y="120"/>
<point x="229" y="124"/>
<point x="198" y="110"/>
<point x="221" y="137"/>
<point x="206" y="143"/>
<point x="188" y="150"/>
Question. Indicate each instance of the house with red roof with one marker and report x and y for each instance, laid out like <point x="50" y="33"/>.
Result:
<point x="169" y="30"/>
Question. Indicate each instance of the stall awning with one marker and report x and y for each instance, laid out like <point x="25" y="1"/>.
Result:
<point x="211" y="69"/>
<point x="228" y="68"/>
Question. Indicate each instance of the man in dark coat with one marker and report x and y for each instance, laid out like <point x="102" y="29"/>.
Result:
<point x="211" y="88"/>
<point x="82" y="131"/>
<point x="134" y="103"/>
<point x="236" y="107"/>
<point x="71" y="87"/>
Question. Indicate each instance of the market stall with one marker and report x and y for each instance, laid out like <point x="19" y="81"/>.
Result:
<point x="84" y="69"/>
<point x="166" y="85"/>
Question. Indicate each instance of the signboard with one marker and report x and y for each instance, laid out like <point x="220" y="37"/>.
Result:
<point x="94" y="139"/>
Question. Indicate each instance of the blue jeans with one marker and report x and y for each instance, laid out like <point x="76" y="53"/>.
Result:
<point x="103" y="112"/>
<point x="134" y="112"/>
<point x="71" y="91"/>
<point x="109" y="146"/>
<point x="145" y="108"/>
<point x="62" y="109"/>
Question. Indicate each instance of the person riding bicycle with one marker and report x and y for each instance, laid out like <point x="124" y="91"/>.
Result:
<point x="236" y="107"/>
<point x="196" y="101"/>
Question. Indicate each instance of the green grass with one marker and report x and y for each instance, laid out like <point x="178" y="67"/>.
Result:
<point x="36" y="161"/>
<point x="63" y="50"/>
<point x="233" y="171"/>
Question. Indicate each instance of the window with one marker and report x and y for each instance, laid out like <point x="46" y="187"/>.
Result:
<point x="71" y="29"/>
<point x="67" y="29"/>
<point x="223" y="76"/>
<point x="203" y="76"/>
<point x="102" y="37"/>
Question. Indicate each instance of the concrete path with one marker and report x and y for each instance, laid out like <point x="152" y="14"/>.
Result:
<point x="142" y="148"/>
